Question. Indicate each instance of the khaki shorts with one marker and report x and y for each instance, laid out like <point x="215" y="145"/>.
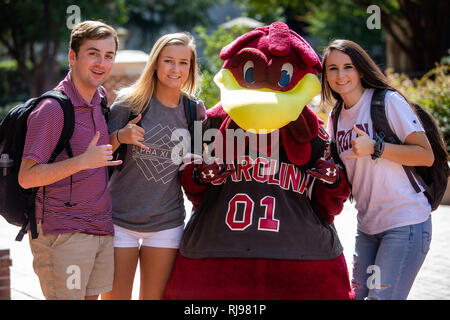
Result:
<point x="71" y="266"/>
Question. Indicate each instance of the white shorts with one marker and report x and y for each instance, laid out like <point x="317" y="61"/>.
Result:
<point x="170" y="238"/>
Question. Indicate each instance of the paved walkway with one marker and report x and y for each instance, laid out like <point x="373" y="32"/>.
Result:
<point x="432" y="282"/>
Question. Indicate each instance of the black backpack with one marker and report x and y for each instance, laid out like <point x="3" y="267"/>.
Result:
<point x="433" y="179"/>
<point x="190" y="110"/>
<point x="17" y="205"/>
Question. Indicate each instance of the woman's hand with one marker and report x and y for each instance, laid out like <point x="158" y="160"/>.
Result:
<point x="416" y="150"/>
<point x="362" y="146"/>
<point x="132" y="134"/>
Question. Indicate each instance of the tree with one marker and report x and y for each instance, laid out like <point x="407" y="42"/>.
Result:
<point x="344" y="20"/>
<point x="210" y="64"/>
<point x="417" y="26"/>
<point x="289" y="11"/>
<point x="157" y="16"/>
<point x="32" y="32"/>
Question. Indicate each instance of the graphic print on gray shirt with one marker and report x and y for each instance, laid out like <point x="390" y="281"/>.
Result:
<point x="146" y="194"/>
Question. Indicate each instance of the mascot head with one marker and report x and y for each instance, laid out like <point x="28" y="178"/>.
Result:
<point x="268" y="76"/>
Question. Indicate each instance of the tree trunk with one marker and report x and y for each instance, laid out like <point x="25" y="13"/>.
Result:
<point x="47" y="73"/>
<point x="418" y="30"/>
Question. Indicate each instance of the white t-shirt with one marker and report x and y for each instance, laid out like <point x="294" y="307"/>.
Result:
<point x="383" y="193"/>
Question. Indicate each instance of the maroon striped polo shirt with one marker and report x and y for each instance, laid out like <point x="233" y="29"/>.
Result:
<point x="92" y="212"/>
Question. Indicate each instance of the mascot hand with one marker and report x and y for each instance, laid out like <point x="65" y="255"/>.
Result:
<point x="325" y="170"/>
<point x="208" y="173"/>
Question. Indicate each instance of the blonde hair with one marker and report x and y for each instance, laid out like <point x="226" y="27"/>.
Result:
<point x="138" y="95"/>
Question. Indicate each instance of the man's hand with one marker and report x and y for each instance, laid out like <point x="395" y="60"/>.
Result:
<point x="325" y="170"/>
<point x="98" y="156"/>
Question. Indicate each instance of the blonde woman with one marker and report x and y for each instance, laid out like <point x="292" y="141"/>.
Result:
<point x="148" y="207"/>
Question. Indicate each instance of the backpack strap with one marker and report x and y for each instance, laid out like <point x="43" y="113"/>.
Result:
<point x="190" y="110"/>
<point x="69" y="123"/>
<point x="104" y="103"/>
<point x="384" y="130"/>
<point x="333" y="145"/>
<point x="379" y="119"/>
<point x="31" y="218"/>
<point x="335" y="116"/>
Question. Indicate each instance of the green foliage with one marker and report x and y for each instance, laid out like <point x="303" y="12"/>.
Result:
<point x="269" y="11"/>
<point x="264" y="11"/>
<point x="4" y="110"/>
<point x="23" y="20"/>
<point x="32" y="33"/>
<point x="432" y="92"/>
<point x="341" y="20"/>
<point x="154" y="17"/>
<point x="12" y="86"/>
<point x="210" y="64"/>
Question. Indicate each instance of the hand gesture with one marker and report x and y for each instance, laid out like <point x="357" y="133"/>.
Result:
<point x="325" y="170"/>
<point x="211" y="169"/>
<point x="98" y="156"/>
<point x="362" y="146"/>
<point x="132" y="133"/>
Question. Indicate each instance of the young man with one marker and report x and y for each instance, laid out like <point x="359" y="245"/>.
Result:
<point x="73" y="255"/>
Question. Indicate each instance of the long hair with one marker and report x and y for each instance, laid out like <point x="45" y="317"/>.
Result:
<point x="138" y="95"/>
<point x="372" y="77"/>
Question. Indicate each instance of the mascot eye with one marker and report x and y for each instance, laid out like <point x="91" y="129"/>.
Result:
<point x="286" y="75"/>
<point x="248" y="71"/>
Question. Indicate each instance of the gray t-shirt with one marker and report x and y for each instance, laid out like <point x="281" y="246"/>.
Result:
<point x="146" y="194"/>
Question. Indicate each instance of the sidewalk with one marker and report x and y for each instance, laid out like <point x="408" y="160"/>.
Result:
<point x="432" y="282"/>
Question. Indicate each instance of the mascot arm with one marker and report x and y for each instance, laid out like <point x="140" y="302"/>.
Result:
<point x="193" y="189"/>
<point x="328" y="200"/>
<point x="194" y="192"/>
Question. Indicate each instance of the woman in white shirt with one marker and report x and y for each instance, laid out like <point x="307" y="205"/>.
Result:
<point x="394" y="222"/>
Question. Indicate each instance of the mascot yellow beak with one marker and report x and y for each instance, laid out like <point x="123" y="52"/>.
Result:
<point x="264" y="110"/>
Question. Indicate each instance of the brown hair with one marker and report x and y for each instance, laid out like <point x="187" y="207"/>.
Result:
<point x="90" y="29"/>
<point x="372" y="77"/>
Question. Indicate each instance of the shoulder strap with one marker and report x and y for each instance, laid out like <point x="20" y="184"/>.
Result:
<point x="190" y="110"/>
<point x="384" y="130"/>
<point x="142" y="117"/>
<point x="335" y="116"/>
<point x="104" y="103"/>
<point x="69" y="122"/>
<point x="379" y="119"/>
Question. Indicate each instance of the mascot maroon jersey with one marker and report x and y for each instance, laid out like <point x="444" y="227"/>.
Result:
<point x="265" y="231"/>
<point x="263" y="210"/>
